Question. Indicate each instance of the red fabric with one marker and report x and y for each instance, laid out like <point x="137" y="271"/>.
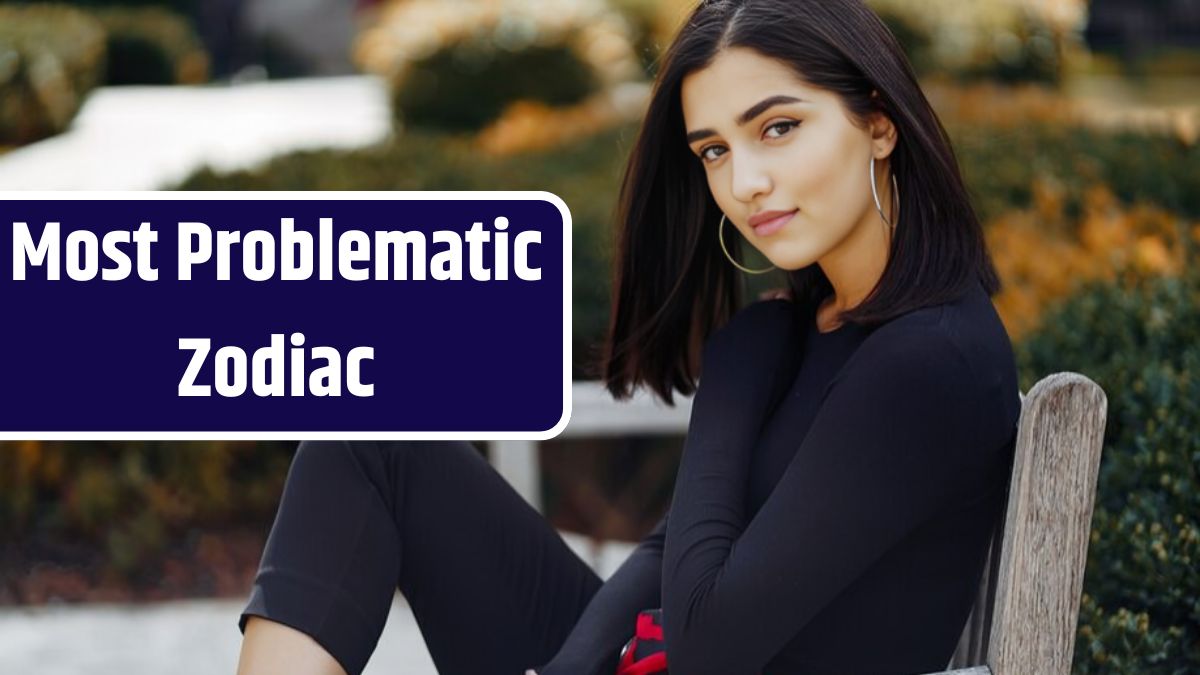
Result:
<point x="655" y="663"/>
<point x="647" y="630"/>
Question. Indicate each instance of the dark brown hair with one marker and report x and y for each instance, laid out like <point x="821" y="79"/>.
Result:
<point x="672" y="285"/>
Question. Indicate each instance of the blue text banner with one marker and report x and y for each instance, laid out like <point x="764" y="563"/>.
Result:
<point x="288" y="315"/>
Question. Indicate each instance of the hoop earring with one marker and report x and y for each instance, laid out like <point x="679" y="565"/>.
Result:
<point x="895" y="197"/>
<point x="721" y="238"/>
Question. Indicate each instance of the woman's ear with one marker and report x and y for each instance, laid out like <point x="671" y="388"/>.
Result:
<point x="883" y="135"/>
<point x="883" y="132"/>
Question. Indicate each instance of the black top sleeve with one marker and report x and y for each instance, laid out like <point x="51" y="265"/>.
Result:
<point x="594" y="644"/>
<point x="894" y="441"/>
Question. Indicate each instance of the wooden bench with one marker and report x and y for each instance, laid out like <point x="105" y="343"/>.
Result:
<point x="1024" y="618"/>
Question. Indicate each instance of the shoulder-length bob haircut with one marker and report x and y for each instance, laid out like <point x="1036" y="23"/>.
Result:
<point x="672" y="285"/>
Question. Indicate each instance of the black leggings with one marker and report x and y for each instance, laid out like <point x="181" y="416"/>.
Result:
<point x="492" y="585"/>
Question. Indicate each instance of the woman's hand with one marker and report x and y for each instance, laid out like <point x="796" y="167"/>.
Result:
<point x="531" y="671"/>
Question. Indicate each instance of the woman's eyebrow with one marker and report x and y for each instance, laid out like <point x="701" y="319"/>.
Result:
<point x="751" y="112"/>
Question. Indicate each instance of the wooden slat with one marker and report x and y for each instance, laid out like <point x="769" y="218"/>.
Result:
<point x="972" y="645"/>
<point x="1047" y="524"/>
<point x="974" y="670"/>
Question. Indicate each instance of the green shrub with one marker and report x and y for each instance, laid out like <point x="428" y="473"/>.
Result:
<point x="1029" y="52"/>
<point x="466" y="85"/>
<point x="975" y="41"/>
<point x="129" y="499"/>
<point x="51" y="56"/>
<point x="642" y="16"/>
<point x="1000" y="166"/>
<point x="151" y="45"/>
<point x="1140" y="340"/>
<point x="457" y="66"/>
<point x="913" y="38"/>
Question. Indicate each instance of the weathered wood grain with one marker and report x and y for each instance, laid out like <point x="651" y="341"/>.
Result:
<point x="1047" y="525"/>
<point x="1025" y="613"/>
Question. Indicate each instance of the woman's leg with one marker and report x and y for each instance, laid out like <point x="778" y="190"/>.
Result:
<point x="493" y="587"/>
<point x="270" y="648"/>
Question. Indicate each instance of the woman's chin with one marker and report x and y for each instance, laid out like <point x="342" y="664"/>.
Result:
<point x="789" y="261"/>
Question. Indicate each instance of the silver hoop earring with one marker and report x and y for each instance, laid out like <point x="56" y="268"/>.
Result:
<point x="721" y="238"/>
<point x="895" y="197"/>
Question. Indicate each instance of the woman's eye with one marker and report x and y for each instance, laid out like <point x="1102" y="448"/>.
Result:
<point x="787" y="126"/>
<point x="784" y="126"/>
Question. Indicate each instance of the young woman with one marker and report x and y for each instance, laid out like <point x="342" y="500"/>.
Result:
<point x="848" y="448"/>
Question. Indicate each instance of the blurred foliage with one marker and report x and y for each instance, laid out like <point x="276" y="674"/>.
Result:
<point x="1000" y="166"/>
<point x="128" y="499"/>
<point x="1043" y="256"/>
<point x="465" y="86"/>
<point x="1015" y="41"/>
<point x="1144" y="37"/>
<point x="1139" y="338"/>
<point x="51" y="56"/>
<point x="458" y="65"/>
<point x="528" y="125"/>
<point x="152" y="45"/>
<point x="184" y="7"/>
<point x="644" y="18"/>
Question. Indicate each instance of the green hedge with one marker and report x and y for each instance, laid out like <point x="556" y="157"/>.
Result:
<point x="1024" y="49"/>
<point x="1000" y="165"/>
<point x="1140" y="340"/>
<point x="51" y="56"/>
<point x="151" y="45"/>
<point x="467" y="85"/>
<point x="130" y="500"/>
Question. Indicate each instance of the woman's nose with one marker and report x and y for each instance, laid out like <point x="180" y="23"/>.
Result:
<point x="750" y="178"/>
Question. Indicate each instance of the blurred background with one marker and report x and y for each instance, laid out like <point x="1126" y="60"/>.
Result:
<point x="1076" y="125"/>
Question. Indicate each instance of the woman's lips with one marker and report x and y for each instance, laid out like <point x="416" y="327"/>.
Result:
<point x="774" y="225"/>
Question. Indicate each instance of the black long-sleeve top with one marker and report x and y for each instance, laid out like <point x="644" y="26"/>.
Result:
<point x="834" y="499"/>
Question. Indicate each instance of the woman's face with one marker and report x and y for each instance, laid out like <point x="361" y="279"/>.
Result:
<point x="802" y="156"/>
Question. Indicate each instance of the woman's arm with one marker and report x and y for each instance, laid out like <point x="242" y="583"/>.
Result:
<point x="608" y="622"/>
<point x="895" y="440"/>
<point x="594" y="645"/>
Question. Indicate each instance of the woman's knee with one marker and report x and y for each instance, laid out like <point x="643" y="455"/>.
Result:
<point x="426" y="455"/>
<point x="386" y="466"/>
<point x="346" y="467"/>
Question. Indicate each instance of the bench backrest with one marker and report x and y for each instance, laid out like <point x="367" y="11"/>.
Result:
<point x="1025" y="614"/>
